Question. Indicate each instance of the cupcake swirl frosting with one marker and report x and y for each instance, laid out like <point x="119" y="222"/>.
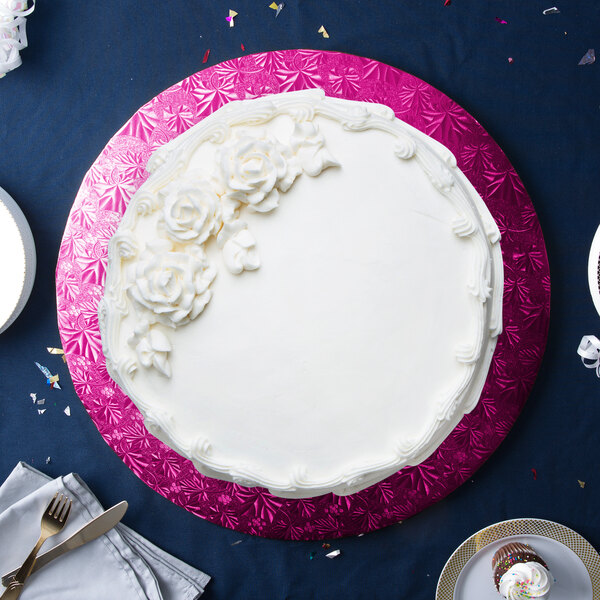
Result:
<point x="525" y="581"/>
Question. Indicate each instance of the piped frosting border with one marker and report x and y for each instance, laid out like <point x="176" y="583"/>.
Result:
<point x="306" y="153"/>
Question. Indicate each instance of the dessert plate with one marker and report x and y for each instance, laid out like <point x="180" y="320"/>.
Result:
<point x="18" y="273"/>
<point x="594" y="270"/>
<point x="572" y="561"/>
<point x="119" y="171"/>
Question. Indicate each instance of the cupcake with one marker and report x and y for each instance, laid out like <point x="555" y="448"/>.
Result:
<point x="520" y="572"/>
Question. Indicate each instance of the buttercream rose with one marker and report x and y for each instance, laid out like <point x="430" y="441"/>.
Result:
<point x="239" y="247"/>
<point x="191" y="212"/>
<point x="173" y="286"/>
<point x="258" y="167"/>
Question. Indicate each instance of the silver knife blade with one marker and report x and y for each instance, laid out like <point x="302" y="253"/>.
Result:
<point x="90" y="531"/>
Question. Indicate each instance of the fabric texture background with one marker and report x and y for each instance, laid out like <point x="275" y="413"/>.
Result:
<point x="89" y="67"/>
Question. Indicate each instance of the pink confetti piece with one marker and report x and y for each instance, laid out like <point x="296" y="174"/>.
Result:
<point x="534" y="473"/>
<point x="447" y="2"/>
<point x="242" y="47"/>
<point x="501" y="21"/>
<point x="588" y="58"/>
<point x="511" y="60"/>
<point x="206" y="56"/>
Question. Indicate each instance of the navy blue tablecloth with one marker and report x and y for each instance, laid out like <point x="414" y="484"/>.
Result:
<point x="90" y="65"/>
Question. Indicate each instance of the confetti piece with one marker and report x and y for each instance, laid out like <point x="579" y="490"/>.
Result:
<point x="48" y="461"/>
<point x="67" y="411"/>
<point x="51" y="380"/>
<point x="534" y="473"/>
<point x="323" y="31"/>
<point x="206" y="56"/>
<point x="447" y="2"/>
<point x="59" y="351"/>
<point x="41" y="411"/>
<point x="43" y="369"/>
<point x="232" y="14"/>
<point x="277" y="7"/>
<point x="242" y="47"/>
<point x="42" y="401"/>
<point x="581" y="483"/>
<point x="588" y="58"/>
<point x="311" y="555"/>
<point x="237" y="542"/>
<point x="501" y="21"/>
<point x="326" y="546"/>
<point x="511" y="60"/>
<point x="551" y="11"/>
<point x="33" y="397"/>
<point x="333" y="554"/>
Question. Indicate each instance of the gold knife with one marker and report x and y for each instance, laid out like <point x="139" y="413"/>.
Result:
<point x="90" y="531"/>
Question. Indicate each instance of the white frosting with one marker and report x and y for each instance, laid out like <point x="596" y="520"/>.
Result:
<point x="364" y="324"/>
<point x="525" y="581"/>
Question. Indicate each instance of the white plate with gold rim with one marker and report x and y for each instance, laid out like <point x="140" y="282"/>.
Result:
<point x="594" y="270"/>
<point x="17" y="268"/>
<point x="572" y="561"/>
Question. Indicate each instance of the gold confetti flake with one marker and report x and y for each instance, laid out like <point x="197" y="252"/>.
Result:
<point x="232" y="14"/>
<point x="58" y="351"/>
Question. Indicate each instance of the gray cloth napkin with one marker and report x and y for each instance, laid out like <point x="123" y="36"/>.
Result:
<point x="119" y="564"/>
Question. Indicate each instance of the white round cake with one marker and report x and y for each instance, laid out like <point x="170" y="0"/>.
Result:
<point x="305" y="295"/>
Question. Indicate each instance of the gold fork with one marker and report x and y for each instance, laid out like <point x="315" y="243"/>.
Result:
<point x="53" y="520"/>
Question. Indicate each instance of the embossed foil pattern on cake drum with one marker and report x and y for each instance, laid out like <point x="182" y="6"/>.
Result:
<point x="120" y="170"/>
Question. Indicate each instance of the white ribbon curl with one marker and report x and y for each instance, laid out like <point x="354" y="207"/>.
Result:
<point x="589" y="350"/>
<point x="12" y="32"/>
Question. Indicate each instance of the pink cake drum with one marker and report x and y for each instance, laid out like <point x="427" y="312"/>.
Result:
<point x="120" y="170"/>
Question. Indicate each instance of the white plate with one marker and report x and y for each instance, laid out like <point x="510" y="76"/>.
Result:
<point x="594" y="270"/>
<point x="572" y="561"/>
<point x="18" y="260"/>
